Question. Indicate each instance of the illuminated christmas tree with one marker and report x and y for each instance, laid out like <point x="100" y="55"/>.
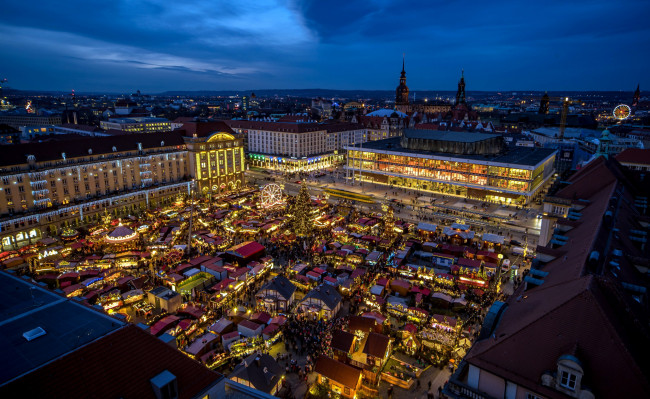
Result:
<point x="389" y="222"/>
<point x="302" y="218"/>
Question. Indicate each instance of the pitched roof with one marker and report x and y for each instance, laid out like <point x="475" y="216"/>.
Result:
<point x="325" y="293"/>
<point x="262" y="371"/>
<point x="119" y="365"/>
<point x="582" y="306"/>
<point x="376" y="345"/>
<point x="282" y="285"/>
<point x="251" y="325"/>
<point x="342" y="340"/>
<point x="360" y="323"/>
<point x="340" y="372"/>
<point x="246" y="249"/>
<point x="634" y="155"/>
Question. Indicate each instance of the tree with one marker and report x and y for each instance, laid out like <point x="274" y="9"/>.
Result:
<point x="302" y="217"/>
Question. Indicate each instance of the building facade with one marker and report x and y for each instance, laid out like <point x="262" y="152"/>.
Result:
<point x="137" y="124"/>
<point x="293" y="147"/>
<point x="47" y="186"/>
<point x="216" y="156"/>
<point x="470" y="165"/>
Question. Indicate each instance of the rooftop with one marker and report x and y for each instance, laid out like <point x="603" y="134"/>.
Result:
<point x="68" y="325"/>
<point x="515" y="156"/>
<point x="464" y="137"/>
<point x="120" y="365"/>
<point x="86" y="146"/>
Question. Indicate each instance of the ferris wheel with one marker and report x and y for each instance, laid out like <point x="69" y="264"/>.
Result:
<point x="271" y="195"/>
<point x="622" y="112"/>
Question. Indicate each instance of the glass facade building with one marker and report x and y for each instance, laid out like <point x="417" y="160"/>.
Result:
<point x="511" y="177"/>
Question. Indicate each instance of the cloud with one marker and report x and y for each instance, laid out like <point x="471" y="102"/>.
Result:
<point x="331" y="44"/>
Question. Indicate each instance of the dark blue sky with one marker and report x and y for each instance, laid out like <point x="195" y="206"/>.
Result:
<point x="157" y="45"/>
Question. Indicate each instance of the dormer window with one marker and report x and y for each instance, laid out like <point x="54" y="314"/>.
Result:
<point x="568" y="380"/>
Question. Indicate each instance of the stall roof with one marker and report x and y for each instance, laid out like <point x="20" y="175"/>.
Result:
<point x="427" y="227"/>
<point x="163" y="324"/>
<point x="493" y="238"/>
<point x="246" y="249"/>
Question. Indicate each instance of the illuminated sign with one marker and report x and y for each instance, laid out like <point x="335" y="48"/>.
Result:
<point x="47" y="253"/>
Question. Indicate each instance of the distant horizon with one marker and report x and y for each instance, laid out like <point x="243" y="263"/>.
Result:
<point x="387" y="91"/>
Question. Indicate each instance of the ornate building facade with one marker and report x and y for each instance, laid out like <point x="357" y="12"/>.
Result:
<point x="216" y="156"/>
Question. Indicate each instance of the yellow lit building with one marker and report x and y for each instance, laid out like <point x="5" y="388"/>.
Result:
<point x="216" y="155"/>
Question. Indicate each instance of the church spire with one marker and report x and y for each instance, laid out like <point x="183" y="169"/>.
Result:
<point x="460" y="94"/>
<point x="637" y="96"/>
<point x="402" y="91"/>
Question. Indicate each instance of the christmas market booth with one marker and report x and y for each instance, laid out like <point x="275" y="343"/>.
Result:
<point x="122" y="237"/>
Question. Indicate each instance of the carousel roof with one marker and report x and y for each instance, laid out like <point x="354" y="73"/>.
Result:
<point x="121" y="234"/>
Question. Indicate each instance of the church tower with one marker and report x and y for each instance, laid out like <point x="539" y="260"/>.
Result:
<point x="543" y="105"/>
<point x="460" y="94"/>
<point x="402" y="91"/>
<point x="637" y="96"/>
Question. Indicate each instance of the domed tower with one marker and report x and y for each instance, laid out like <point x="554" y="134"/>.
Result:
<point x="402" y="91"/>
<point x="544" y="104"/>
<point x="460" y="94"/>
<point x="604" y="142"/>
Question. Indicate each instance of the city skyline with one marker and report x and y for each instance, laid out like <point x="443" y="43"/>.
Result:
<point x="158" y="46"/>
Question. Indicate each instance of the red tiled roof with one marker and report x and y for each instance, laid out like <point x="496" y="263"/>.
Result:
<point x="345" y="375"/>
<point x="119" y="365"/>
<point x="635" y="156"/>
<point x="578" y="310"/>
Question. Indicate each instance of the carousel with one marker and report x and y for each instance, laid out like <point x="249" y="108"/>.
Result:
<point x="121" y="236"/>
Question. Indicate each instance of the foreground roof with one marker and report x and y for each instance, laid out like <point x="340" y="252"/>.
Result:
<point x="119" y="365"/>
<point x="67" y="325"/>
<point x="587" y="301"/>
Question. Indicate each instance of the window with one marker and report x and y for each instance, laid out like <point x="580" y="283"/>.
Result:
<point x="531" y="396"/>
<point x="568" y="380"/>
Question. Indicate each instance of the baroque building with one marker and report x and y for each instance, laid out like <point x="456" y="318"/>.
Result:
<point x="402" y="103"/>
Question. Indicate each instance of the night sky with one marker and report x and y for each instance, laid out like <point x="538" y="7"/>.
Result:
<point x="158" y="45"/>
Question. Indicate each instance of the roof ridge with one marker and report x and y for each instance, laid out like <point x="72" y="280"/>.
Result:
<point x="585" y="286"/>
